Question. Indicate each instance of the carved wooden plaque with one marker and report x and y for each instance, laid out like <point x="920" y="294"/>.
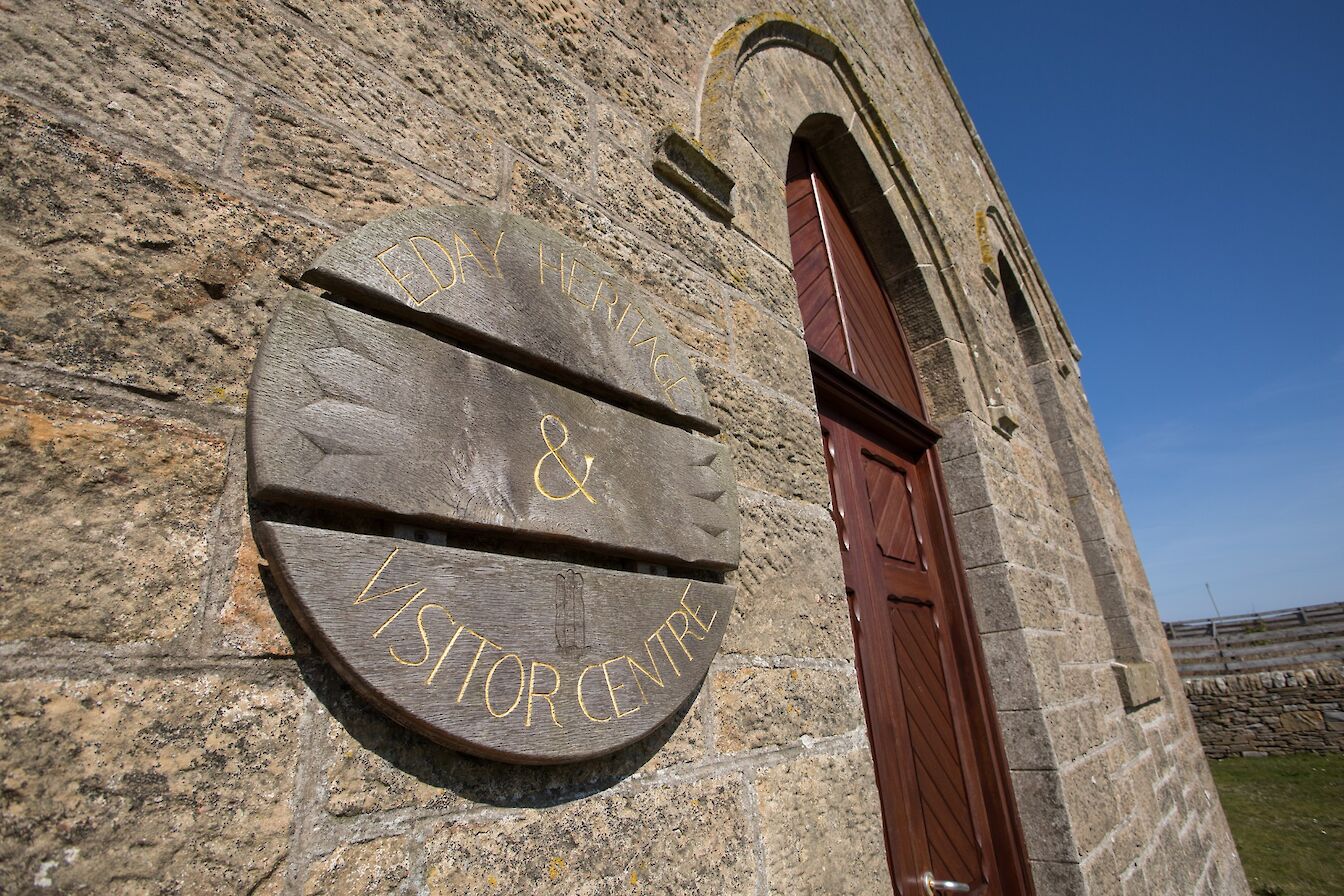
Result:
<point x="474" y="374"/>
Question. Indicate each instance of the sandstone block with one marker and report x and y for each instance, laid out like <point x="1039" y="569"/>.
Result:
<point x="790" y="587"/>
<point x="106" y="520"/>
<point x="593" y="40"/>
<point x="772" y="707"/>
<point x="1045" y="819"/>
<point x="116" y="74"/>
<point x="370" y="868"/>
<point x="980" y="534"/>
<point x="1027" y="739"/>
<point x="822" y="826"/>
<point x="759" y="206"/>
<point x="248" y="621"/>
<point x="123" y="270"/>
<point x="669" y="840"/>
<point x="776" y="445"/>
<point x="467" y="63"/>
<point x="1302" y="720"/>
<point x="158" y="785"/>
<point x="771" y="353"/>
<point x="313" y="167"/>
<point x="264" y="44"/>
<point x="1091" y="799"/>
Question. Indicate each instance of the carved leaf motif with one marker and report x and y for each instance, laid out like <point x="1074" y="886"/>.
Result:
<point x="340" y="373"/>
<point x="338" y="427"/>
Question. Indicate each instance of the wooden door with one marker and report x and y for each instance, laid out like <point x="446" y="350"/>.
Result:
<point x="946" y="805"/>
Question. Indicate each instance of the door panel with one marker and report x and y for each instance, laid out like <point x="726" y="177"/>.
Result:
<point x="946" y="805"/>
<point x="908" y="676"/>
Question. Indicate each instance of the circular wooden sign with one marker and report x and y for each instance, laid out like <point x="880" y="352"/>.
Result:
<point x="473" y="371"/>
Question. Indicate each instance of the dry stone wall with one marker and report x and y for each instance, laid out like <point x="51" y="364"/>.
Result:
<point x="1270" y="713"/>
<point x="169" y="170"/>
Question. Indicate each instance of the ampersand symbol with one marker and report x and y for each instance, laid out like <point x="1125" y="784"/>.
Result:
<point x="555" y="453"/>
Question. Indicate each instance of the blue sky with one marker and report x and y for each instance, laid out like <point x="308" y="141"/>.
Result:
<point x="1179" y="170"/>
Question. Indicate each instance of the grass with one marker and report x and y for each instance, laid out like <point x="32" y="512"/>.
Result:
<point x="1287" y="815"/>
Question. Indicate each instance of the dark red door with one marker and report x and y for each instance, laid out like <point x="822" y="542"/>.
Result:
<point x="946" y="807"/>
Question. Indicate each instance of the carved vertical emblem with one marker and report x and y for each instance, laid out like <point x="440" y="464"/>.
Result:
<point x="570" y="617"/>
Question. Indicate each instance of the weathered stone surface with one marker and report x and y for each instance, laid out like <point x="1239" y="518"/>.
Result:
<point x="430" y="52"/>
<point x="375" y="764"/>
<point x="247" y="621"/>
<point x="634" y="55"/>
<point x="91" y="63"/>
<point x="370" y="868"/>
<point x="758" y="707"/>
<point x="105" y="520"/>
<point x="1093" y="807"/>
<point x="1269" y="713"/>
<point x="822" y="826"/>
<point x="672" y="840"/>
<point x="118" y="268"/>
<point x="775" y="444"/>
<point x="160" y="785"/>
<point x="740" y="266"/>
<point x="1138" y="682"/>
<point x="1026" y="739"/>
<point x="266" y="45"/>
<point x="683" y="162"/>
<point x="758" y="198"/>
<point x="315" y="168"/>
<point x="791" y="593"/>
<point x="771" y="353"/>
<point x="1045" y="816"/>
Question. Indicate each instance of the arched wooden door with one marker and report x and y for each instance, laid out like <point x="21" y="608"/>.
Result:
<point x="946" y="805"/>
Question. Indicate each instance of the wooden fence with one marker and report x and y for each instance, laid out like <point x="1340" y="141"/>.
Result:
<point x="1255" y="642"/>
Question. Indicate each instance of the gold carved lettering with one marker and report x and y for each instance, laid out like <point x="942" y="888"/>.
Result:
<point x="579" y="484"/>
<point x="493" y="253"/>
<point x="474" y="660"/>
<point x="533" y="694"/>
<point x="656" y="676"/>
<point x="606" y="674"/>
<point x="491" y="677"/>
<point x="695" y="614"/>
<point x="424" y="636"/>
<point x="403" y="277"/>
<point x="414" y="597"/>
<point x="435" y="277"/>
<point x="657" y="633"/>
<point x="578" y="689"/>
<point x="464" y="251"/>
<point x="364" y="595"/>
<point x="685" y="632"/>
<point x="443" y="656"/>
<point x="542" y="266"/>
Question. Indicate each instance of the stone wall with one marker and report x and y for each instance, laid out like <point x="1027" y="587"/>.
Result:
<point x="171" y="168"/>
<point x="1269" y="713"/>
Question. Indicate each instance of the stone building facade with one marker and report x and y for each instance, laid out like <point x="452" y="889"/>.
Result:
<point x="171" y="169"/>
